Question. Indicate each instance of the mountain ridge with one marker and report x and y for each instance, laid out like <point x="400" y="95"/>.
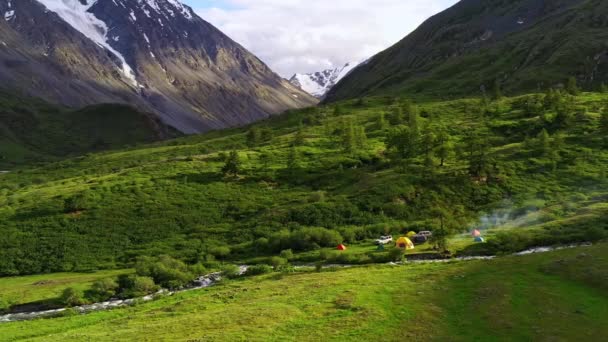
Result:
<point x="522" y="45"/>
<point x="185" y="70"/>
<point x="319" y="83"/>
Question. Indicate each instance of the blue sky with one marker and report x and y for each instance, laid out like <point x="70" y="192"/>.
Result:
<point x="298" y="36"/>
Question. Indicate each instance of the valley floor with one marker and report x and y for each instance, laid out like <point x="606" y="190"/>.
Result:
<point x="556" y="296"/>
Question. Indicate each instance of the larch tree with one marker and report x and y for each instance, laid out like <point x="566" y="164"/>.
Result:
<point x="233" y="165"/>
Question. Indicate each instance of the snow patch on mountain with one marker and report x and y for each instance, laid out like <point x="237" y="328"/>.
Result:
<point x="76" y="14"/>
<point x="319" y="83"/>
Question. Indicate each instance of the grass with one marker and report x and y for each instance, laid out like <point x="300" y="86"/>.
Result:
<point x="511" y="298"/>
<point x="171" y="198"/>
<point x="42" y="287"/>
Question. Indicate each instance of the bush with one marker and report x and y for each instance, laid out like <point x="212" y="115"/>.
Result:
<point x="132" y="286"/>
<point x="166" y="271"/>
<point x="220" y="252"/>
<point x="75" y="203"/>
<point x="231" y="271"/>
<point x="396" y="254"/>
<point x="102" y="289"/>
<point x="5" y="304"/>
<point x="258" y="269"/>
<point x="72" y="297"/>
<point x="287" y="254"/>
<point x="277" y="262"/>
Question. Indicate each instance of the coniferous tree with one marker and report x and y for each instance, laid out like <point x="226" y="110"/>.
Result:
<point x="348" y="137"/>
<point x="414" y="129"/>
<point x="233" y="164"/>
<point x="544" y="141"/>
<point x="266" y="134"/>
<point x="292" y="159"/>
<point x="360" y="137"/>
<point x="565" y="112"/>
<point x="604" y="121"/>
<point x="444" y="147"/>
<point x="337" y="110"/>
<point x="497" y="91"/>
<point x="253" y="137"/>
<point x="396" y="116"/>
<point x="572" y="87"/>
<point x="299" y="138"/>
<point x="265" y="160"/>
<point x="381" y="124"/>
<point x="558" y="141"/>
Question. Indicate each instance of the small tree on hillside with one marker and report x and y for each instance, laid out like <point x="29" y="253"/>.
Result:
<point x="444" y="147"/>
<point x="233" y="165"/>
<point x="337" y="110"/>
<point x="348" y="137"/>
<point x="292" y="160"/>
<point x="544" y="141"/>
<point x="396" y="117"/>
<point x="572" y="87"/>
<point x="360" y="137"/>
<point x="75" y="203"/>
<point x="497" y="92"/>
<point x="299" y="138"/>
<point x="604" y="121"/>
<point x="381" y="123"/>
<point x="253" y="137"/>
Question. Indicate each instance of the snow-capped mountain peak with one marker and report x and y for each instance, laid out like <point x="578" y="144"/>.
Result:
<point x="157" y="55"/>
<point x="319" y="83"/>
<point x="75" y="13"/>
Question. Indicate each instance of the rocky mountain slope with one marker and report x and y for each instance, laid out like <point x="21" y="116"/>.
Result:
<point x="522" y="44"/>
<point x="319" y="83"/>
<point x="157" y="55"/>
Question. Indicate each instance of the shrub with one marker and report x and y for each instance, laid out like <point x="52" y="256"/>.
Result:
<point x="220" y="252"/>
<point x="166" y="271"/>
<point x="287" y="254"/>
<point x="136" y="286"/>
<point x="231" y="271"/>
<point x="396" y="254"/>
<point x="72" y="297"/>
<point x="75" y="203"/>
<point x="258" y="269"/>
<point x="5" y="304"/>
<point x="102" y="289"/>
<point x="277" y="262"/>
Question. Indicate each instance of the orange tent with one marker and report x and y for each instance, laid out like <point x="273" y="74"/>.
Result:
<point x="341" y="247"/>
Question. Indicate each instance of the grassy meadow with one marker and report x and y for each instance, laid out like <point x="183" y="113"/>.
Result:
<point x="558" y="295"/>
<point x="342" y="173"/>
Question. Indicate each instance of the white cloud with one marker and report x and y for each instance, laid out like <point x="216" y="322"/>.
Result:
<point x="311" y="35"/>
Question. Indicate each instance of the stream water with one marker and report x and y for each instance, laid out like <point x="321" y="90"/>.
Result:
<point x="212" y="278"/>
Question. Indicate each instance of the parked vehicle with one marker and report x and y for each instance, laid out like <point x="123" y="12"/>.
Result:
<point x="426" y="233"/>
<point x="384" y="240"/>
<point x="417" y="239"/>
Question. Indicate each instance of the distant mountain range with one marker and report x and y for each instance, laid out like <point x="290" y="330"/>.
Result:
<point x="156" y="55"/>
<point x="521" y="45"/>
<point x="319" y="83"/>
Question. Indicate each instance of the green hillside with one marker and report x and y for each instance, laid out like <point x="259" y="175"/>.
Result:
<point x="318" y="177"/>
<point x="552" y="296"/>
<point x="476" y="46"/>
<point x="34" y="131"/>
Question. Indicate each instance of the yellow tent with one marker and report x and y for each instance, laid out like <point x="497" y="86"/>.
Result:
<point x="411" y="234"/>
<point x="405" y="243"/>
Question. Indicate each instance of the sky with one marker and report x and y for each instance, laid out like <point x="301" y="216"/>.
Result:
<point x="301" y="36"/>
